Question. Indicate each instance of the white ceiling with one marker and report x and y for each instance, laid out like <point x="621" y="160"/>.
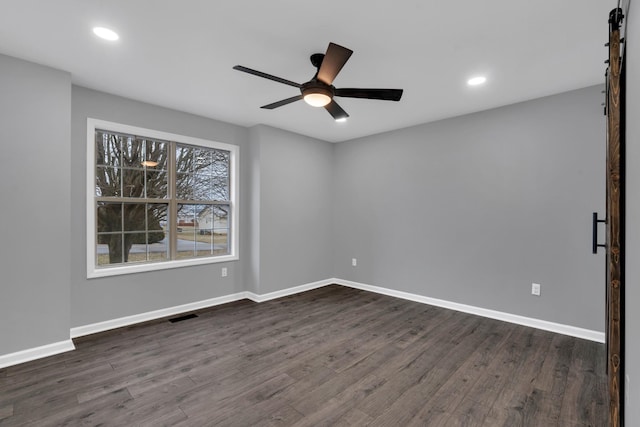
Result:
<point x="180" y="54"/>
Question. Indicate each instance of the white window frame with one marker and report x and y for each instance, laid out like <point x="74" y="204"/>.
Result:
<point x="92" y="269"/>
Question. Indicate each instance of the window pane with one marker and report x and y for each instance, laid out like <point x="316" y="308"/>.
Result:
<point x="135" y="247"/>
<point x="202" y="160"/>
<point x="196" y="236"/>
<point x="108" y="149"/>
<point x="135" y="217"/>
<point x="221" y="229"/>
<point x="157" y="218"/>
<point x="202" y="173"/>
<point x="184" y="158"/>
<point x="155" y="167"/>
<point x="155" y="154"/>
<point x="159" y="250"/>
<point x="150" y="242"/>
<point x="109" y="248"/>
<point x="185" y="231"/>
<point x="156" y="183"/>
<point x="109" y="217"/>
<point x="201" y="186"/>
<point x="147" y="247"/>
<point x="132" y="151"/>
<point x="145" y="166"/>
<point x="109" y="243"/>
<point x="133" y="183"/>
<point x="220" y="188"/>
<point x="221" y="213"/>
<point x="204" y="220"/>
<point x="220" y="241"/>
<point x="108" y="182"/>
<point x="184" y="186"/>
<point x="220" y="163"/>
<point x="157" y="235"/>
<point x="131" y="232"/>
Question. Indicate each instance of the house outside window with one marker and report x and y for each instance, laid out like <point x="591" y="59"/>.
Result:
<point x="157" y="200"/>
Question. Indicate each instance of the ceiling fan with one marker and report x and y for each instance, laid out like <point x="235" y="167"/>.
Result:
<point x="319" y="91"/>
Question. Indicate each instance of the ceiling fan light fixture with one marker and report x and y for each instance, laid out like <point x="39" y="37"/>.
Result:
<point x="149" y="163"/>
<point x="317" y="94"/>
<point x="317" y="99"/>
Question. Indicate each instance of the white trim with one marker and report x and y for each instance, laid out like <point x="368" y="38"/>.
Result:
<point x="93" y="328"/>
<point x="92" y="270"/>
<point x="63" y="346"/>
<point x="36" y="353"/>
<point x="90" y="194"/>
<point x="289" y="291"/>
<point x="155" y="266"/>
<point x="492" y="314"/>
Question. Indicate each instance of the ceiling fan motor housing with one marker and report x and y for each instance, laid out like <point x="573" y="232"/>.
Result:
<point x="316" y="59"/>
<point x="316" y="86"/>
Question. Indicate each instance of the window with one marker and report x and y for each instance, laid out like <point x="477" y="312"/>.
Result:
<point x="157" y="200"/>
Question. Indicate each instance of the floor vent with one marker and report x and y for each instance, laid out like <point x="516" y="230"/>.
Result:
<point x="181" y="318"/>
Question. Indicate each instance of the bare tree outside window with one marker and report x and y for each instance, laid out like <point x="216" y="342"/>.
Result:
<point x="140" y="181"/>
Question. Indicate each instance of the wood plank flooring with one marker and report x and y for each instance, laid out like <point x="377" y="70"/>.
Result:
<point x="334" y="356"/>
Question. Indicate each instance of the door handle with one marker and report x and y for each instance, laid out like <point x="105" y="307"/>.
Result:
<point x="594" y="239"/>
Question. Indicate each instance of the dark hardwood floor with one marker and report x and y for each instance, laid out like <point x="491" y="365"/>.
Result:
<point x="333" y="356"/>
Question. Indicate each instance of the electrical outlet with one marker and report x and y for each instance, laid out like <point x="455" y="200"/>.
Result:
<point x="224" y="271"/>
<point x="354" y="262"/>
<point x="535" y="289"/>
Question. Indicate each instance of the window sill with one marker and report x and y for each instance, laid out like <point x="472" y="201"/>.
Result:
<point x="94" y="272"/>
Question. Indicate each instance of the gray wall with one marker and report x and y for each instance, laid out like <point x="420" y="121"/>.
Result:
<point x="35" y="112"/>
<point x="474" y="209"/>
<point x="471" y="209"/>
<point x="294" y="190"/>
<point x="632" y="266"/>
<point x="285" y="188"/>
<point x="251" y="209"/>
<point x="100" y="299"/>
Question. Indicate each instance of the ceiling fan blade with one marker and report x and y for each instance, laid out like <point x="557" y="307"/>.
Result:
<point x="333" y="61"/>
<point x="335" y="110"/>
<point x="383" y="94"/>
<point x="266" y="76"/>
<point x="283" y="102"/>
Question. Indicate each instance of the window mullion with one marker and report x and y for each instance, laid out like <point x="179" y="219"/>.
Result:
<point x="173" y="206"/>
<point x="123" y="255"/>
<point x="202" y="202"/>
<point x="128" y="200"/>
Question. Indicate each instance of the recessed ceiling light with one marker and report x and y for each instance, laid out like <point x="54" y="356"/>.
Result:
<point x="475" y="81"/>
<point x="341" y="120"/>
<point x="105" y="33"/>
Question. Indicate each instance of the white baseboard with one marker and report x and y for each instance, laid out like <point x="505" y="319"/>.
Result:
<point x="170" y="311"/>
<point x="152" y="315"/>
<point x="289" y="291"/>
<point x="56" y="348"/>
<point x="492" y="314"/>
<point x="35" y="353"/>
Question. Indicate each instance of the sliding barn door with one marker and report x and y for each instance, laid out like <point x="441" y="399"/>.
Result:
<point x="615" y="221"/>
